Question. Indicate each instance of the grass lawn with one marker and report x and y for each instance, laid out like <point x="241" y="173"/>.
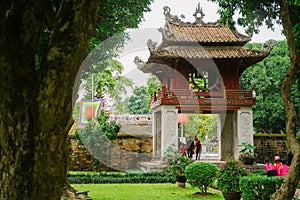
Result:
<point x="166" y="191"/>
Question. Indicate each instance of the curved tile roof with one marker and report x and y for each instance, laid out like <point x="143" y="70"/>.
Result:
<point x="207" y="52"/>
<point x="206" y="34"/>
<point x="200" y="40"/>
<point x="199" y="31"/>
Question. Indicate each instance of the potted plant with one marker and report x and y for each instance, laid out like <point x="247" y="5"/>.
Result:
<point x="228" y="179"/>
<point x="247" y="153"/>
<point x="177" y="165"/>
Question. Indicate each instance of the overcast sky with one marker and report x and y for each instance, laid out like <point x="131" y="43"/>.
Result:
<point x="155" y="18"/>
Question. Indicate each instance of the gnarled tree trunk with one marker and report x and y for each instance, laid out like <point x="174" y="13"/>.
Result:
<point x="36" y="102"/>
<point x="289" y="185"/>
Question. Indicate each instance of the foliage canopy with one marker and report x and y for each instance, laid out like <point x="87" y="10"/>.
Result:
<point x="264" y="77"/>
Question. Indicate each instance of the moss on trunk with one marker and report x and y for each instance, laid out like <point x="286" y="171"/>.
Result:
<point x="36" y="105"/>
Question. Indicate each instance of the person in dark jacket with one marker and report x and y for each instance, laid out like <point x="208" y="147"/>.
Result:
<point x="190" y="147"/>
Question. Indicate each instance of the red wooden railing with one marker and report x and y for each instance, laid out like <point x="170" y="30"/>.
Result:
<point x="182" y="96"/>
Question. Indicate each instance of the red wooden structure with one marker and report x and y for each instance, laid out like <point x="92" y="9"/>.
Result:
<point x="199" y="65"/>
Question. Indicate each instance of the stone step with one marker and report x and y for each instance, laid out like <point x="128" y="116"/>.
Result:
<point x="152" y="166"/>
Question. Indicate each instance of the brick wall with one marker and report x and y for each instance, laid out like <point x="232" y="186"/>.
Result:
<point x="118" y="155"/>
<point x="267" y="145"/>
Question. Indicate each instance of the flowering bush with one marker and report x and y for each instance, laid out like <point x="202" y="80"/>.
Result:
<point x="229" y="176"/>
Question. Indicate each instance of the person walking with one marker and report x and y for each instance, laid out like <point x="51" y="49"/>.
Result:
<point x="190" y="147"/>
<point x="198" y="148"/>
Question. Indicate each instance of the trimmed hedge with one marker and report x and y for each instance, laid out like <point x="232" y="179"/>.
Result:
<point x="259" y="187"/>
<point x="104" y="177"/>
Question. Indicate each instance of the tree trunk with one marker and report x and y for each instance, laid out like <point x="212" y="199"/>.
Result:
<point x="36" y="103"/>
<point x="289" y="185"/>
<point x="69" y="193"/>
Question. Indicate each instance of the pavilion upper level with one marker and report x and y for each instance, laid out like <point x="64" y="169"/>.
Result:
<point x="201" y="60"/>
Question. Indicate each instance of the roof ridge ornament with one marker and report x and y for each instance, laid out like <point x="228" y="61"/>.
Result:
<point x="152" y="46"/>
<point x="199" y="15"/>
<point x="167" y="33"/>
<point x="171" y="18"/>
<point x="138" y="62"/>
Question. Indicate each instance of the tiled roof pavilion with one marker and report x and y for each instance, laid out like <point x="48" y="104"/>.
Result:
<point x="201" y="40"/>
<point x="213" y="33"/>
<point x="199" y="65"/>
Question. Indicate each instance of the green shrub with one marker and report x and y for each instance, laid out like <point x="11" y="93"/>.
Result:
<point x="171" y="153"/>
<point x="178" y="166"/>
<point x="94" y="136"/>
<point x="259" y="187"/>
<point x="201" y="175"/>
<point x="177" y="162"/>
<point x="104" y="177"/>
<point x="110" y="128"/>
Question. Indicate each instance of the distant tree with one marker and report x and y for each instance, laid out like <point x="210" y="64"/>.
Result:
<point x="201" y="125"/>
<point x="153" y="84"/>
<point x="264" y="77"/>
<point x="138" y="101"/>
<point x="107" y="83"/>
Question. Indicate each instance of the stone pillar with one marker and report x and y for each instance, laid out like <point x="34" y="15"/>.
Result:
<point x="169" y="127"/>
<point x="156" y="133"/>
<point x="245" y="127"/>
<point x="219" y="129"/>
<point x="234" y="127"/>
<point x="227" y="133"/>
<point x="165" y="133"/>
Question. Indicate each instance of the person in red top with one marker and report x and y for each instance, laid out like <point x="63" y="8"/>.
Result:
<point x="198" y="148"/>
<point x="283" y="169"/>
<point x="277" y="164"/>
<point x="270" y="169"/>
